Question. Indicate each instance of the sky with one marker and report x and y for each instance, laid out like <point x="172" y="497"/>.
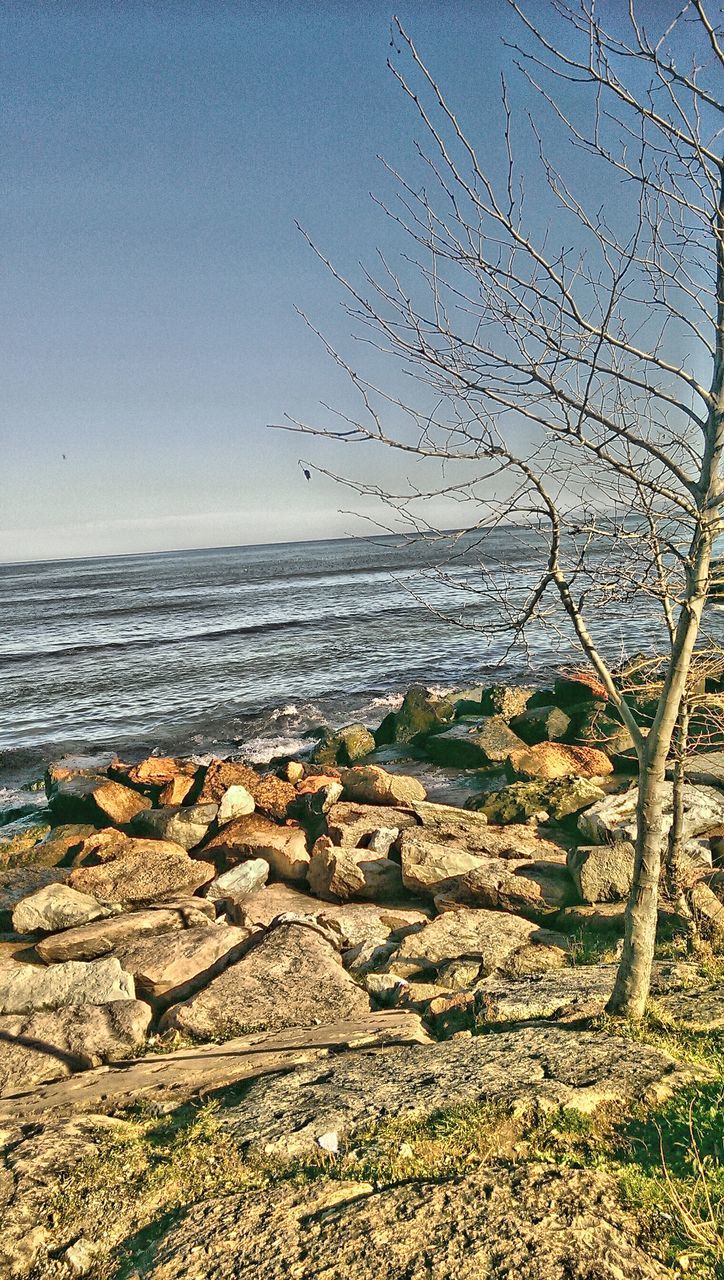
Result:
<point x="156" y="158"/>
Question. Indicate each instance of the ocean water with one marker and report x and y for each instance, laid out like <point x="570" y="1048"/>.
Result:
<point x="244" y="650"/>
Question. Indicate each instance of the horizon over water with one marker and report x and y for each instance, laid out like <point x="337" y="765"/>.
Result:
<point x="243" y="650"/>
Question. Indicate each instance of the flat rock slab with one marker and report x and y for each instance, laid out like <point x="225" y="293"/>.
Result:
<point x="48" y="1046"/>
<point x="565" y="993"/>
<point x="528" y="1222"/>
<point x="141" y="875"/>
<point x="101" y="937"/>
<point x="26" y="988"/>
<point x="170" y="966"/>
<point x="549" y="1066"/>
<point x="169" y="1079"/>
<point x="493" y="939"/>
<point x="701" y="1009"/>
<point x="292" y="978"/>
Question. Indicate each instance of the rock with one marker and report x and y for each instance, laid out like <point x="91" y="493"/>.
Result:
<point x="422" y="712"/>
<point x="236" y="802"/>
<point x="260" y="908"/>
<point x="293" y="771"/>
<point x="20" y="882"/>
<point x="140" y="875"/>
<point x="345" y="746"/>
<point x="284" y="848"/>
<point x="19" y="839"/>
<point x="54" y="1044"/>
<point x="708" y="911"/>
<point x="55" y="907"/>
<point x="357" y="922"/>
<point x="490" y="741"/>
<point x="61" y="844"/>
<point x="185" y="826"/>
<point x="351" y="825"/>
<point x="161" y="771"/>
<point x="79" y="766"/>
<point x="549" y="760"/>
<point x="504" y="700"/>
<point x="271" y="795"/>
<point x="170" y="966"/>
<point x="522" y="1221"/>
<point x="382" y="840"/>
<point x="528" y="1066"/>
<point x="293" y="977"/>
<point x="531" y="889"/>
<point x="700" y="1010"/>
<point x="101" y="937"/>
<point x="177" y="791"/>
<point x="570" y="993"/>
<point x="558" y="799"/>
<point x="26" y="988"/>
<point x="370" y="784"/>
<point x="541" y="724"/>
<point x="578" y="687"/>
<point x="603" y="872"/>
<point x="614" y="817"/>
<point x="341" y="874"/>
<point x="489" y="937"/>
<point x="595" y="728"/>
<point x="95" y="799"/>
<point x="239" y="882"/>
<point x="430" y="863"/>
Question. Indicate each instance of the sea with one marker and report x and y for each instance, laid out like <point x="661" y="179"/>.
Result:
<point x="247" y="651"/>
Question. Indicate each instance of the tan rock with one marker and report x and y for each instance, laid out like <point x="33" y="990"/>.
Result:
<point x="491" y="937"/>
<point x="255" y="836"/>
<point x="160" y="771"/>
<point x="54" y="1044"/>
<point x="531" y="889"/>
<point x="55" y="907"/>
<point x="271" y="795"/>
<point x="186" y="825"/>
<point x="145" y="874"/>
<point x="170" y="966"/>
<point x="177" y="791"/>
<point x="370" y="784"/>
<point x="100" y="798"/>
<point x="341" y="874"/>
<point x="101" y="937"/>
<point x="25" y="988"/>
<point x="549" y="760"/>
<point x="293" y="977"/>
<point x="350" y="825"/>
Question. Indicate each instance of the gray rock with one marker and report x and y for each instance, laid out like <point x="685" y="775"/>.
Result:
<point x="27" y="988"/>
<point x="472" y="747"/>
<point x="602" y="872"/>
<point x="52" y="1045"/>
<point x="565" y="993"/>
<point x="239" y="882"/>
<point x="19" y="882"/>
<point x="382" y="840"/>
<point x="293" y="977"/>
<point x="342" y="874"/>
<point x="371" y="784"/>
<point x="614" y="817"/>
<point x="56" y="907"/>
<point x="351" y="825"/>
<point x="183" y="825"/>
<point x="541" y="724"/>
<point x="504" y="700"/>
<point x="101" y="937"/>
<point x="236" y="802"/>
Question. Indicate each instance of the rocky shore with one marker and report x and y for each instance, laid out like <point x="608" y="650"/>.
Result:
<point x="328" y="952"/>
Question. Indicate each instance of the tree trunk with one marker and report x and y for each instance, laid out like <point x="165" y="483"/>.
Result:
<point x="676" y="877"/>
<point x="634" y="973"/>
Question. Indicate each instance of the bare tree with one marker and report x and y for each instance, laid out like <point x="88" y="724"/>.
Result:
<point x="567" y="349"/>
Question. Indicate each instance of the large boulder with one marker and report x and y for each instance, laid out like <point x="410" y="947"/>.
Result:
<point x="271" y="795"/>
<point x="352" y="825"/>
<point x="55" y="907"/>
<point x="614" y="817"/>
<point x="371" y="784"/>
<point x="422" y="712"/>
<point x="347" y="745"/>
<point x="578" y="687"/>
<point x="341" y="874"/>
<point x="186" y="826"/>
<point x="159" y="772"/>
<point x="431" y="862"/>
<point x="489" y="741"/>
<point x="602" y="872"/>
<point x="493" y="940"/>
<point x="144" y="871"/>
<point x="504" y="700"/>
<point x="95" y="798"/>
<point x="549" y="760"/>
<point x="170" y="966"/>
<point x="531" y="889"/>
<point x="53" y="1044"/>
<point x="541" y="724"/>
<point x="284" y="848"/>
<point x="541" y="800"/>
<point x="26" y="988"/>
<point x="236" y="802"/>
<point x="61" y="844"/>
<point x="292" y="978"/>
<point x="101" y="937"/>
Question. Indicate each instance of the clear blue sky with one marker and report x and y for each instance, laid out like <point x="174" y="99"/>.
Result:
<point x="155" y="158"/>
